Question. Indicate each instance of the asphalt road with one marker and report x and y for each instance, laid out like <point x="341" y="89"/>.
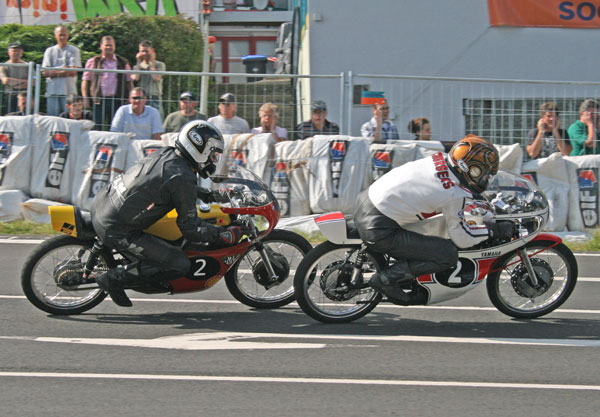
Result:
<point x="205" y="354"/>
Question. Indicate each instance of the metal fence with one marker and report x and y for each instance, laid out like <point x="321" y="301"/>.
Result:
<point x="500" y="110"/>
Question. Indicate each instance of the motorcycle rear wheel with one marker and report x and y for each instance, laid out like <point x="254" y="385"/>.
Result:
<point x="58" y="258"/>
<point x="318" y="289"/>
<point x="242" y="283"/>
<point x="510" y="291"/>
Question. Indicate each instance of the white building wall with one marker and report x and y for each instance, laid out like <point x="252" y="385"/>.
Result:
<point x="436" y="38"/>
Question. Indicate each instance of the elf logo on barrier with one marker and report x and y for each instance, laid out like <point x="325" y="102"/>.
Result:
<point x="588" y="195"/>
<point x="337" y="153"/>
<point x="148" y="150"/>
<point x="280" y="185"/>
<point x="382" y="163"/>
<point x="240" y="157"/>
<point x="6" y="140"/>
<point x="59" y="150"/>
<point x="101" y="167"/>
<point x="531" y="176"/>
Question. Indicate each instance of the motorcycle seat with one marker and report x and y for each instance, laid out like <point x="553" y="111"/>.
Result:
<point x="83" y="222"/>
<point x="352" y="231"/>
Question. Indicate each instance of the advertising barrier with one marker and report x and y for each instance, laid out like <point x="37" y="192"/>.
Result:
<point x="45" y="160"/>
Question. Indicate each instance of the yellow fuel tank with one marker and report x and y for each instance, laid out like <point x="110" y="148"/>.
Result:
<point x="166" y="227"/>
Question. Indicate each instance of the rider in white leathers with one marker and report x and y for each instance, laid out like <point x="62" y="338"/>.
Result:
<point x="440" y="184"/>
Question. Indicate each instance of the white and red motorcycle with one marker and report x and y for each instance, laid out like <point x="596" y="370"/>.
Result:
<point x="528" y="276"/>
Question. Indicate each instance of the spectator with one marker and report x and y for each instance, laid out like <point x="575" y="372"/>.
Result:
<point x="583" y="133"/>
<point x="547" y="137"/>
<point x="75" y="109"/>
<point x="22" y="105"/>
<point x="137" y="118"/>
<point x="379" y="127"/>
<point x="60" y="83"/>
<point x="14" y="78"/>
<point x="186" y="113"/>
<point x="269" y="114"/>
<point x="421" y="128"/>
<point x="151" y="83"/>
<point x="227" y="122"/>
<point x="108" y="90"/>
<point x="318" y="124"/>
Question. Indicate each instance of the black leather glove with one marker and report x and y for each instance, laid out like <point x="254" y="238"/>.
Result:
<point x="230" y="236"/>
<point x="502" y="230"/>
<point x="205" y="195"/>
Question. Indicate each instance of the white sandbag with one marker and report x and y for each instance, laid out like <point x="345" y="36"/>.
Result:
<point x="15" y="152"/>
<point x="337" y="170"/>
<point x="10" y="205"/>
<point x="168" y="139"/>
<point x="511" y="158"/>
<point x="36" y="209"/>
<point x="427" y="148"/>
<point x="384" y="157"/>
<point x="583" y="194"/>
<point x="552" y="176"/>
<point x="54" y="140"/>
<point x="253" y="152"/>
<point x="140" y="148"/>
<point x="289" y="180"/>
<point x="99" y="157"/>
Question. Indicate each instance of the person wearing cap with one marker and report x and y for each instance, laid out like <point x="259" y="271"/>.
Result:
<point x="151" y="83"/>
<point x="14" y="78"/>
<point x="269" y="114"/>
<point x="137" y="118"/>
<point x="318" y="123"/>
<point x="379" y="127"/>
<point x="60" y="83"/>
<point x="186" y="113"/>
<point x="227" y="122"/>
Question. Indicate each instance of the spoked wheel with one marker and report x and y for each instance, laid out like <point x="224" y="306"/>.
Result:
<point x="248" y="280"/>
<point x="52" y="276"/>
<point x="323" y="284"/>
<point x="512" y="290"/>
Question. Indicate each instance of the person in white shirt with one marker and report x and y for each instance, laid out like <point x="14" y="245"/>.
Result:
<point x="269" y="115"/>
<point x="440" y="184"/>
<point x="138" y="118"/>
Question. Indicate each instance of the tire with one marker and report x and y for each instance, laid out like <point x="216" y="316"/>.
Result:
<point x="39" y="276"/>
<point x="242" y="283"/>
<point x="319" y="269"/>
<point x="515" y="298"/>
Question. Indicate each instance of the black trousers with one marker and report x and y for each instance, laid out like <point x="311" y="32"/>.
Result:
<point x="424" y="254"/>
<point x="158" y="259"/>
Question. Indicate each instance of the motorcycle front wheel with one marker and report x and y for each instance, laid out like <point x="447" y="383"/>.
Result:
<point x="248" y="282"/>
<point x="512" y="292"/>
<point x="52" y="276"/>
<point x="324" y="290"/>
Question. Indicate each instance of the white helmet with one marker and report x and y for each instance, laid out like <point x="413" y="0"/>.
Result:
<point x="201" y="143"/>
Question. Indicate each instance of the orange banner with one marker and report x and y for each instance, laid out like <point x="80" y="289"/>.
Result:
<point x="545" y="13"/>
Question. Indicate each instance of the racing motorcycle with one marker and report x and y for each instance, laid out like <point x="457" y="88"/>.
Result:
<point x="59" y="275"/>
<point x="528" y="275"/>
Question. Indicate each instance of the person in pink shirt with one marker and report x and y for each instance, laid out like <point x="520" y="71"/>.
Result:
<point x="106" y="91"/>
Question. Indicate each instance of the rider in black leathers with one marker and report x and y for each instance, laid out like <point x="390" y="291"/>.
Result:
<point x="155" y="185"/>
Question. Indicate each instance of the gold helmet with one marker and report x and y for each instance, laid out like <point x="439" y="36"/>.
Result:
<point x="474" y="160"/>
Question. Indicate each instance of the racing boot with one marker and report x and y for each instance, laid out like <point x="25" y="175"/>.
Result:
<point x="390" y="280"/>
<point x="112" y="282"/>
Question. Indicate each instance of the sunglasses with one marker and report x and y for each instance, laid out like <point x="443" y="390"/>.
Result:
<point x="137" y="98"/>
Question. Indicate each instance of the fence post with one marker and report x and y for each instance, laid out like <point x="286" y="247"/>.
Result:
<point x="350" y="98"/>
<point x="205" y="66"/>
<point x="38" y="87"/>
<point x="30" y="80"/>
<point x="342" y="101"/>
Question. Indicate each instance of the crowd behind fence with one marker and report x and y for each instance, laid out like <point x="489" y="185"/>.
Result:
<point x="502" y="111"/>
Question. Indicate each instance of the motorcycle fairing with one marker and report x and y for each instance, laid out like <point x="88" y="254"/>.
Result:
<point x="334" y="228"/>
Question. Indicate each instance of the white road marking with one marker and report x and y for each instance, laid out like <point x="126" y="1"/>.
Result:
<point x="243" y="340"/>
<point x="371" y="382"/>
<point x="294" y="305"/>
